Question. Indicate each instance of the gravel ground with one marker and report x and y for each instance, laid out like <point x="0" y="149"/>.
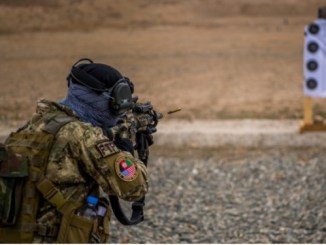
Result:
<point x="234" y="195"/>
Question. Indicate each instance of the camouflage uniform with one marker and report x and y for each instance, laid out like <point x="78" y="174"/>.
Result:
<point x="83" y="161"/>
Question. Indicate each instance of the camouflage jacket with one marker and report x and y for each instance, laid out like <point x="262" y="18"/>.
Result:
<point x="83" y="161"/>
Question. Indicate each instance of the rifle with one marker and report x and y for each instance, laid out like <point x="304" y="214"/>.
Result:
<point x="138" y="125"/>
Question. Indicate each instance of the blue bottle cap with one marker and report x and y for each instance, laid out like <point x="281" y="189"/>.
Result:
<point x="92" y="200"/>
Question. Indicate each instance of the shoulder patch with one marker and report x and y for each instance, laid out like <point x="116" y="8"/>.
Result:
<point x="125" y="168"/>
<point x="107" y="148"/>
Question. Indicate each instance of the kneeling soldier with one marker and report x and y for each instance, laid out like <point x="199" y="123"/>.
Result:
<point x="65" y="160"/>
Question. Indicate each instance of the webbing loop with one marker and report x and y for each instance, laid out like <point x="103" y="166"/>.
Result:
<point x="51" y="193"/>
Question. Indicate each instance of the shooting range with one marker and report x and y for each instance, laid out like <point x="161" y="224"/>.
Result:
<point x="314" y="69"/>
<point x="239" y="155"/>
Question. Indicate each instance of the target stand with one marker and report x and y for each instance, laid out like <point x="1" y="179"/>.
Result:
<point x="309" y="124"/>
<point x="314" y="56"/>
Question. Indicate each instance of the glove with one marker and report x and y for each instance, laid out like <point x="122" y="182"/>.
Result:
<point x="121" y="130"/>
<point x="124" y="144"/>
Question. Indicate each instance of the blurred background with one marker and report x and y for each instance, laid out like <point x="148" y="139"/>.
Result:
<point x="214" y="58"/>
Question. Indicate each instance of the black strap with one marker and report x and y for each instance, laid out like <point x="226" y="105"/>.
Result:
<point x="137" y="215"/>
<point x="86" y="79"/>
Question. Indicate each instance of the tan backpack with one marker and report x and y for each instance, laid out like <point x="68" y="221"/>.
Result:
<point x="23" y="161"/>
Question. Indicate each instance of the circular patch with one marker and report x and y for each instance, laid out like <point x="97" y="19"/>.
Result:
<point x="126" y="169"/>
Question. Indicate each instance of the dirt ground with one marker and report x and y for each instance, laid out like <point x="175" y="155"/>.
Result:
<point x="213" y="58"/>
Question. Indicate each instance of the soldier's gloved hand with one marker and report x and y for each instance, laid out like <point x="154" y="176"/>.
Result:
<point x="143" y="121"/>
<point x="150" y="139"/>
<point x="125" y="145"/>
<point x="124" y="130"/>
<point x="121" y="130"/>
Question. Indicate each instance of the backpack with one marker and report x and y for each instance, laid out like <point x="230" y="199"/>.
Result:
<point x="23" y="162"/>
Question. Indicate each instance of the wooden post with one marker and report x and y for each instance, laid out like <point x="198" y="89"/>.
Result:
<point x="308" y="114"/>
<point x="308" y="124"/>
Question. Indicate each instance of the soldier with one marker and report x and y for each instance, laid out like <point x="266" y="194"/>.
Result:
<point x="70" y="158"/>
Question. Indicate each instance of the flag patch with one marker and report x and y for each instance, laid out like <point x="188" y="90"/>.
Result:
<point x="126" y="169"/>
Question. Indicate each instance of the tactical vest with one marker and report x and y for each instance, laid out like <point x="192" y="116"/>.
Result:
<point x="23" y="183"/>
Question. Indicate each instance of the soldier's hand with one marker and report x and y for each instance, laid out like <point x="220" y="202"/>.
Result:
<point x="120" y="130"/>
<point x="142" y="121"/>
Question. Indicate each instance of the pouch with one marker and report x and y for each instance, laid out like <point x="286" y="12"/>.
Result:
<point x="13" y="172"/>
<point x="75" y="229"/>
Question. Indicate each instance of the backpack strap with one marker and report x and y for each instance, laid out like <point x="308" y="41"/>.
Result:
<point x="49" y="191"/>
<point x="54" y="125"/>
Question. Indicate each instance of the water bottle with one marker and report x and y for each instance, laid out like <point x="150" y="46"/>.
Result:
<point x="89" y="210"/>
<point x="101" y="211"/>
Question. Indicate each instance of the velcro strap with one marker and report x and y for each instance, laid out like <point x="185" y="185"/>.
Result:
<point x="51" y="193"/>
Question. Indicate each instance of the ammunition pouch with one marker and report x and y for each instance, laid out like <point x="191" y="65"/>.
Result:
<point x="36" y="147"/>
<point x="75" y="229"/>
<point x="13" y="172"/>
